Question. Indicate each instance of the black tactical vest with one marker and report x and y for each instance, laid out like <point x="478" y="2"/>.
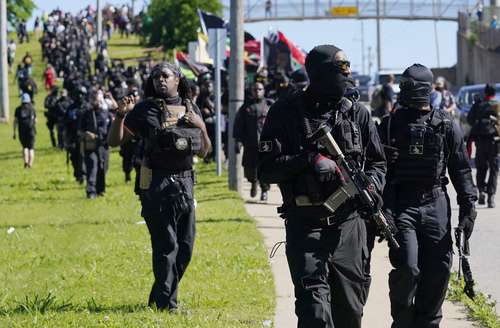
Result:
<point x="422" y="149"/>
<point x="172" y="146"/>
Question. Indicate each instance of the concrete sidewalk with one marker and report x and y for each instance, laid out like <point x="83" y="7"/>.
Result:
<point x="377" y="310"/>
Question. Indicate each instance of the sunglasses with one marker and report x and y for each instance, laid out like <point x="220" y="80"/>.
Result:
<point x="343" y="65"/>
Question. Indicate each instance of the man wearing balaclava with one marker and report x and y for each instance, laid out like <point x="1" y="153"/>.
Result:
<point x="327" y="253"/>
<point x="422" y="143"/>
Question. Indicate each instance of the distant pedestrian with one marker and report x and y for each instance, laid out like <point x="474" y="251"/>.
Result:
<point x="441" y="98"/>
<point x="483" y="117"/>
<point x="50" y="77"/>
<point x="11" y="53"/>
<point x="25" y="122"/>
<point x="268" y="5"/>
<point x="247" y="129"/>
<point x="493" y="23"/>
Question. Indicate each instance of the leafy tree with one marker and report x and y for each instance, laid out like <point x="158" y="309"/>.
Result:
<point x="175" y="22"/>
<point x="19" y="10"/>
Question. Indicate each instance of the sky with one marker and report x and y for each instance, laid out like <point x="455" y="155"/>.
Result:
<point x="403" y="43"/>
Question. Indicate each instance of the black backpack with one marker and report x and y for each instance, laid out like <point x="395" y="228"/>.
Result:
<point x="26" y="117"/>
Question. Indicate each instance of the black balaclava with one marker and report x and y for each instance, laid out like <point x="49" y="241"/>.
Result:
<point x="416" y="86"/>
<point x="327" y="82"/>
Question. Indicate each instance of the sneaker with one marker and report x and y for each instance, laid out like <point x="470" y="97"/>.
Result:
<point x="253" y="190"/>
<point x="263" y="196"/>
<point x="481" y="200"/>
<point x="491" y="201"/>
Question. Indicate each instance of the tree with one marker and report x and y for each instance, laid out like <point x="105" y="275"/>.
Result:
<point x="175" y="22"/>
<point x="19" y="10"/>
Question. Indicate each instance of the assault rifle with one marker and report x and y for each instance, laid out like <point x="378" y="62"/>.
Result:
<point x="463" y="263"/>
<point x="356" y="184"/>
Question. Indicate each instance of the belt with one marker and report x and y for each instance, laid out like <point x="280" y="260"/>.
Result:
<point x="169" y="173"/>
<point x="419" y="195"/>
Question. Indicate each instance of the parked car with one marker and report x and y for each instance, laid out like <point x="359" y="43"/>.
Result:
<point x="466" y="97"/>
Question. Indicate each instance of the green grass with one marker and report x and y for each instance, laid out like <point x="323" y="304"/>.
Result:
<point x="72" y="262"/>
<point x="481" y="309"/>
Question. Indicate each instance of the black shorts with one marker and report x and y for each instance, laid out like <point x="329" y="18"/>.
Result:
<point x="27" y="140"/>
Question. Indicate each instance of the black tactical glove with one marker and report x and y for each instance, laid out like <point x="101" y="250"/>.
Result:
<point x="325" y="168"/>
<point x="466" y="218"/>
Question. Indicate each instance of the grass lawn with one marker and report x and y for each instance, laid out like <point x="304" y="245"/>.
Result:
<point x="71" y="262"/>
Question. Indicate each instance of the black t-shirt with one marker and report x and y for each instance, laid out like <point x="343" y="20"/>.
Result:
<point x="145" y="118"/>
<point x="25" y="115"/>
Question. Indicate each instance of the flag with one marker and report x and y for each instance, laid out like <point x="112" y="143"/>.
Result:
<point x="209" y="20"/>
<point x="281" y="54"/>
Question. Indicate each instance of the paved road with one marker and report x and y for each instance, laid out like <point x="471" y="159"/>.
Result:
<point x="377" y="311"/>
<point x="485" y="247"/>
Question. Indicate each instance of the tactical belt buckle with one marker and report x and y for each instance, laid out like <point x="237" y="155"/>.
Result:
<point x="329" y="220"/>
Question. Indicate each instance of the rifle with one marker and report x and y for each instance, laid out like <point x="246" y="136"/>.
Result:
<point x="463" y="263"/>
<point x="356" y="184"/>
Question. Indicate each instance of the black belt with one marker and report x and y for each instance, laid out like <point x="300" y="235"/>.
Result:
<point x="169" y="173"/>
<point x="419" y="195"/>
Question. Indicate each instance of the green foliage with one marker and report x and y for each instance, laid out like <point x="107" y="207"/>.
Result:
<point x="72" y="262"/>
<point x="174" y="22"/>
<point x="481" y="309"/>
<point x="19" y="10"/>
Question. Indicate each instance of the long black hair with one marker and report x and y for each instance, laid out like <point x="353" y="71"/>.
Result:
<point x="183" y="88"/>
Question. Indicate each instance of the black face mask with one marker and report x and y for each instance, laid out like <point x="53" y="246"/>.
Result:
<point x="330" y="84"/>
<point x="415" y="94"/>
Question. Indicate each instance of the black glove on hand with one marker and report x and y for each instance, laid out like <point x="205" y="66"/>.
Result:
<point x="466" y="218"/>
<point x="325" y="168"/>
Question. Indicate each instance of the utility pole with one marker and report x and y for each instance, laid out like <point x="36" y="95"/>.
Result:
<point x="132" y="9"/>
<point x="363" y="57"/>
<point x="236" y="89"/>
<point x="4" y="83"/>
<point x="379" y="49"/>
<point x="99" y="23"/>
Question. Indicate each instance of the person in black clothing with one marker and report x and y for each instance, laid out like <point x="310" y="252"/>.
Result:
<point x="173" y="131"/>
<point x="129" y="149"/>
<point x="71" y="138"/>
<point x="248" y="126"/>
<point x="327" y="254"/>
<point x="62" y="104"/>
<point x="483" y="117"/>
<point x="25" y="121"/>
<point x="93" y="130"/>
<point x="206" y="104"/>
<point x="387" y="97"/>
<point x="421" y="144"/>
<point x="51" y="113"/>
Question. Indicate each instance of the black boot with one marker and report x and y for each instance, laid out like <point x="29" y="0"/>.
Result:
<point x="253" y="190"/>
<point x="491" y="201"/>
<point x="127" y="177"/>
<point x="481" y="200"/>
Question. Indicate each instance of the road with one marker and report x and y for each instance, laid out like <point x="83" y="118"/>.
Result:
<point x="485" y="246"/>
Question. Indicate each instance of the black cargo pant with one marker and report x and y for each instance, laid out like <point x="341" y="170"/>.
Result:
<point x="329" y="267"/>
<point x="96" y="164"/>
<point x="77" y="162"/>
<point x="419" y="280"/>
<point x="168" y="208"/>
<point x="486" y="160"/>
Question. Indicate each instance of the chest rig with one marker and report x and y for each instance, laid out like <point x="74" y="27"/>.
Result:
<point x="422" y="148"/>
<point x="173" y="141"/>
<point x="345" y="129"/>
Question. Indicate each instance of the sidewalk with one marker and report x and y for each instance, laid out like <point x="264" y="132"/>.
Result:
<point x="377" y="311"/>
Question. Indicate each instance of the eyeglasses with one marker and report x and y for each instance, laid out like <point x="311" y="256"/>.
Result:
<point x="343" y="65"/>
